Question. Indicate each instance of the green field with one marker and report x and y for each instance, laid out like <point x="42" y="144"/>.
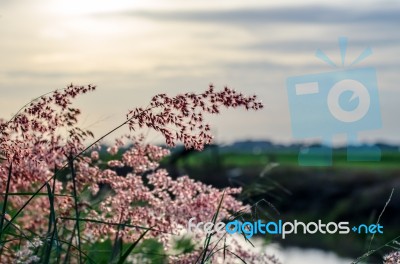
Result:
<point x="389" y="160"/>
<point x="347" y="191"/>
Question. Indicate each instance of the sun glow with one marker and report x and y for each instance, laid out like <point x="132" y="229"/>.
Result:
<point x="85" y="7"/>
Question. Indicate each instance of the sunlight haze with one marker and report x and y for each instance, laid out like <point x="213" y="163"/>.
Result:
<point x="133" y="50"/>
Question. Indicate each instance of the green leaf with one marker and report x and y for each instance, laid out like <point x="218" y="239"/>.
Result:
<point x="184" y="245"/>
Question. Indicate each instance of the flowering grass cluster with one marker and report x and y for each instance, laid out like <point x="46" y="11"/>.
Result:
<point x="59" y="197"/>
<point x="392" y="258"/>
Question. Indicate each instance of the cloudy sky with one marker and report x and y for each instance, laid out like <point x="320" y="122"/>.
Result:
<point x="134" y="49"/>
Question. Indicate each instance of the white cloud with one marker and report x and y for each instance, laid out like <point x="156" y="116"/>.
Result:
<point x="136" y="49"/>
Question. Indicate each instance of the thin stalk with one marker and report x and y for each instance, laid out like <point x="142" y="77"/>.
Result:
<point x="114" y="224"/>
<point x="52" y="226"/>
<point x="70" y="245"/>
<point x="55" y="232"/>
<point x="3" y="212"/>
<point x="71" y="165"/>
<point x="36" y="194"/>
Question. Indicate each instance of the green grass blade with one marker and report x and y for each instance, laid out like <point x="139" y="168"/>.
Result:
<point x="207" y="241"/>
<point x="132" y="247"/>
<point x="118" y="245"/>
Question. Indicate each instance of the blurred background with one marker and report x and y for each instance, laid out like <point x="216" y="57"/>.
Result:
<point x="133" y="50"/>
